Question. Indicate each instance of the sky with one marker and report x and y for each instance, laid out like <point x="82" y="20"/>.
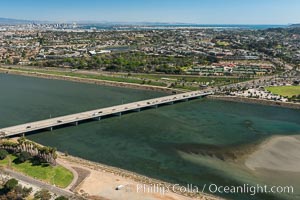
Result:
<point x="184" y="11"/>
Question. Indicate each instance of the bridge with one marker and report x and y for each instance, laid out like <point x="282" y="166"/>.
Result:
<point x="75" y="119"/>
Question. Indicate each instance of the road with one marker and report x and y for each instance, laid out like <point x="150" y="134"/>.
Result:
<point x="38" y="183"/>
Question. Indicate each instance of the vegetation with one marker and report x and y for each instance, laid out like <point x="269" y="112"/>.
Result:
<point x="11" y="190"/>
<point x="3" y="154"/>
<point x="285" y="91"/>
<point x="42" y="195"/>
<point x="44" y="154"/>
<point x="35" y="161"/>
<point x="10" y="184"/>
<point x="24" y="156"/>
<point x="57" y="175"/>
<point x="129" y="62"/>
<point x="61" y="198"/>
<point x="97" y="77"/>
<point x="164" y="80"/>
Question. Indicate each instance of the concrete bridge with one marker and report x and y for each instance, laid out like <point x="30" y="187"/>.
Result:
<point x="97" y="114"/>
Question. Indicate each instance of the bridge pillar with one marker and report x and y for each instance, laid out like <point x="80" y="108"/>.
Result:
<point x="154" y="106"/>
<point x="50" y="128"/>
<point x="137" y="110"/>
<point x="118" y="114"/>
<point x="97" y="118"/>
<point x="75" y="123"/>
<point x="170" y="103"/>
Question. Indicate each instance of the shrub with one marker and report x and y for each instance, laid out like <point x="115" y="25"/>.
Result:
<point x="61" y="198"/>
<point x="42" y="195"/>
<point x="3" y="154"/>
<point x="24" y="156"/>
<point x="11" y="184"/>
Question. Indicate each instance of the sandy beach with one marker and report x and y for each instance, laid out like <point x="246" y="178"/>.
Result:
<point x="100" y="182"/>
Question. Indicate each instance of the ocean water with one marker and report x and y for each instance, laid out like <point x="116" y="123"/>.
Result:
<point x="187" y="143"/>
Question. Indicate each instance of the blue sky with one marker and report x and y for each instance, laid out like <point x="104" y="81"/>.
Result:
<point x="187" y="11"/>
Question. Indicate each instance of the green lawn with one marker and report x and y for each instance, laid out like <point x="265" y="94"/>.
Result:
<point x="286" y="91"/>
<point x="57" y="175"/>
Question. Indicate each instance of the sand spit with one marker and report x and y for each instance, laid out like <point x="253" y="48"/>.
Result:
<point x="280" y="153"/>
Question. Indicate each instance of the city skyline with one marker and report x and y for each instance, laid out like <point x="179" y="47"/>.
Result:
<point x="197" y="12"/>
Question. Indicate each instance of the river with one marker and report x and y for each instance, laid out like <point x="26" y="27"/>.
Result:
<point x="195" y="142"/>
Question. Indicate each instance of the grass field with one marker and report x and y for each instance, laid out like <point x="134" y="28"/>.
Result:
<point x="57" y="175"/>
<point x="286" y="91"/>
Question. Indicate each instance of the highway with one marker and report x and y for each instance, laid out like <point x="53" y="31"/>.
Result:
<point x="98" y="113"/>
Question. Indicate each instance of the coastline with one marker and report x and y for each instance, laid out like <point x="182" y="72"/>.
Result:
<point x="255" y="101"/>
<point x="89" y="174"/>
<point x="132" y="176"/>
<point x="90" y="81"/>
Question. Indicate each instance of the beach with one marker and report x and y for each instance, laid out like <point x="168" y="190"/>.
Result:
<point x="98" y="181"/>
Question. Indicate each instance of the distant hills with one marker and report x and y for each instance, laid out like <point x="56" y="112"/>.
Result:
<point x="295" y="25"/>
<point x="14" y="21"/>
<point x="10" y="21"/>
<point x="23" y="21"/>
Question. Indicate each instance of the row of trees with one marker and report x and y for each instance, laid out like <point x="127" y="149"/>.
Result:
<point x="45" y="154"/>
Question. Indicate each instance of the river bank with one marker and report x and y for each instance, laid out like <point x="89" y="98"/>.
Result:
<point x="255" y="101"/>
<point x="94" y="180"/>
<point x="90" y="81"/>
<point x="102" y="180"/>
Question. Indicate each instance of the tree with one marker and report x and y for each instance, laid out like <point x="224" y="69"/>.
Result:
<point x="24" y="156"/>
<point x="42" y="195"/>
<point x="3" y="154"/>
<point x="11" y="184"/>
<point x="61" y="198"/>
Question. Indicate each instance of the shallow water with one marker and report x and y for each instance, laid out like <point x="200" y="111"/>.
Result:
<point x="183" y="143"/>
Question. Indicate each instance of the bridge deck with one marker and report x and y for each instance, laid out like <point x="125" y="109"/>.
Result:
<point x="96" y="114"/>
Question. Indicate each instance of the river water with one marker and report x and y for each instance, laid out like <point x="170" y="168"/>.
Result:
<point x="195" y="142"/>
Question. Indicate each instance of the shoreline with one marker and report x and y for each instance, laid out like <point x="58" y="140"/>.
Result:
<point x="71" y="162"/>
<point x="89" y="81"/>
<point x="138" y="178"/>
<point x="255" y="101"/>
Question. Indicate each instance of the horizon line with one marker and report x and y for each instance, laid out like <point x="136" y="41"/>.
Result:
<point x="138" y="22"/>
